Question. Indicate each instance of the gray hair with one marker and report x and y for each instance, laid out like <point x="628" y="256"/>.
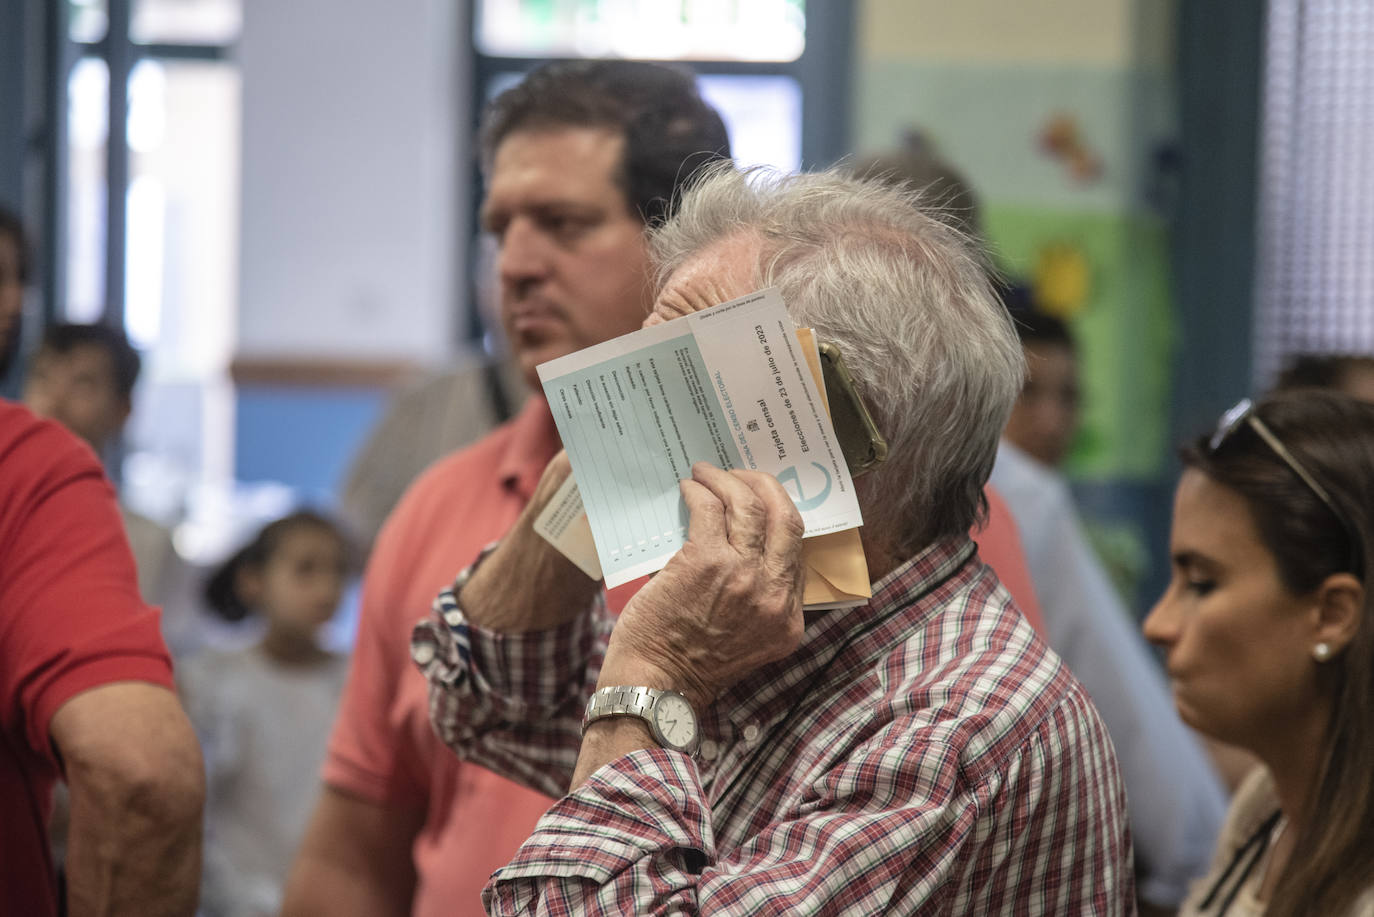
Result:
<point x="906" y="299"/>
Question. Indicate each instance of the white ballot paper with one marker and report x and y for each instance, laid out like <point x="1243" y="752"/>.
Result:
<point x="727" y="385"/>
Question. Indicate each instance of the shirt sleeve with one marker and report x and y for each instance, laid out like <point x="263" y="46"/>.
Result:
<point x="72" y="616"/>
<point x="638" y="837"/>
<point x="512" y="703"/>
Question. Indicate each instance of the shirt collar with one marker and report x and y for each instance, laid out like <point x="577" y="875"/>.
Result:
<point x="767" y="695"/>
<point x="931" y="566"/>
<point x="533" y="442"/>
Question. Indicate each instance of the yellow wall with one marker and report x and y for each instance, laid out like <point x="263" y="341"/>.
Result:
<point x="1058" y="32"/>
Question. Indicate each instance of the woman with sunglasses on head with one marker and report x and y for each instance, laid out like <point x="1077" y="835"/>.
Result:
<point x="1269" y="634"/>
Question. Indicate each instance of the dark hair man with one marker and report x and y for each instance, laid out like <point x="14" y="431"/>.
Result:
<point x="578" y="159"/>
<point x="926" y="752"/>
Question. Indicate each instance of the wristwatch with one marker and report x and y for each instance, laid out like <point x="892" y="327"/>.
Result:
<point x="669" y="715"/>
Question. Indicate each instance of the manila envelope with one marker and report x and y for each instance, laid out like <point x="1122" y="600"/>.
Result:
<point x="836" y="569"/>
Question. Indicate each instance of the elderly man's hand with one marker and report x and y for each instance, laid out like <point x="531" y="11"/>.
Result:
<point x="727" y="603"/>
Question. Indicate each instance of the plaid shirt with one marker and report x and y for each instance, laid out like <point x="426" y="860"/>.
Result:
<point x="925" y="753"/>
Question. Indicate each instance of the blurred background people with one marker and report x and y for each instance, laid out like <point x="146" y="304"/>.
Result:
<point x="1043" y="423"/>
<point x="263" y="712"/>
<point x="1348" y="373"/>
<point x="83" y="377"/>
<point x="1269" y="634"/>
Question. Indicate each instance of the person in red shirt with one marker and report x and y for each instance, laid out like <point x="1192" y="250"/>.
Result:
<point x="85" y="696"/>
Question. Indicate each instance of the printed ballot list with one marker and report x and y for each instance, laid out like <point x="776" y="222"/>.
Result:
<point x="727" y="385"/>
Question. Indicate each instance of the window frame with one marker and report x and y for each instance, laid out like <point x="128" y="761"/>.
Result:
<point x="121" y="55"/>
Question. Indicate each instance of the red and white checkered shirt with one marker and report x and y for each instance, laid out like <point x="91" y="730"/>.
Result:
<point x="926" y="753"/>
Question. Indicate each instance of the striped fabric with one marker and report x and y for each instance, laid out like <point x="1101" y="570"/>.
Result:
<point x="923" y="754"/>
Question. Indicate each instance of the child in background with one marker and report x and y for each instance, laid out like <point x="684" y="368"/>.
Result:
<point x="264" y="713"/>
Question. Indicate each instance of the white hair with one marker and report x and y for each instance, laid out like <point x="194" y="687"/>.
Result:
<point x="907" y="300"/>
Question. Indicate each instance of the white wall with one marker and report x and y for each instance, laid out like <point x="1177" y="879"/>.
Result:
<point x="352" y="117"/>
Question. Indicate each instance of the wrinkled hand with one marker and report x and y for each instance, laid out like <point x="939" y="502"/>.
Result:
<point x="527" y="584"/>
<point x="727" y="603"/>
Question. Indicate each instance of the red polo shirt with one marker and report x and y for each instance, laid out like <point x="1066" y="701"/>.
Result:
<point x="383" y="748"/>
<point x="70" y="620"/>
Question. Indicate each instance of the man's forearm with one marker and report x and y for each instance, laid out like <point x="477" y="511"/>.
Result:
<point x="137" y="786"/>
<point x="606" y="741"/>
<point x="525" y="584"/>
<point x="354" y="861"/>
<point x="139" y="855"/>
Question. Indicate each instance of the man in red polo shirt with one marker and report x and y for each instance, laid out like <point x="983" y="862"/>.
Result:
<point x="578" y="158"/>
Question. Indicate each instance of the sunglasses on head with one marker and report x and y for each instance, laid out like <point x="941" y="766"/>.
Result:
<point x="1243" y="413"/>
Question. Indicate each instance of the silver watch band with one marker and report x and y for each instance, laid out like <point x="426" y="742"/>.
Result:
<point x="620" y="700"/>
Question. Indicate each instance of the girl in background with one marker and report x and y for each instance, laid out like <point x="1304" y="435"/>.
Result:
<point x="264" y="713"/>
<point x="1269" y="628"/>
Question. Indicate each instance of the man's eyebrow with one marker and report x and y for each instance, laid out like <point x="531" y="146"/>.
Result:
<point x="542" y="209"/>
<point x="565" y="207"/>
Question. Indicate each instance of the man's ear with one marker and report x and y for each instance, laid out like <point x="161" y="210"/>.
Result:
<point x="1338" y="612"/>
<point x="125" y="407"/>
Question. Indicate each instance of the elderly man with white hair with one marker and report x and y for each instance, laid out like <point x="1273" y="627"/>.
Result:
<point x="925" y="752"/>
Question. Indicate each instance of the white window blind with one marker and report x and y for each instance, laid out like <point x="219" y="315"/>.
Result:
<point x="1315" y="266"/>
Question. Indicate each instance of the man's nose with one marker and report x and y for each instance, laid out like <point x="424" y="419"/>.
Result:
<point x="524" y="254"/>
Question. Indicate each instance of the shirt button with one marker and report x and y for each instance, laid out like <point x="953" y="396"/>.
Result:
<point x="422" y="653"/>
<point x="709" y="750"/>
<point x="751" y="732"/>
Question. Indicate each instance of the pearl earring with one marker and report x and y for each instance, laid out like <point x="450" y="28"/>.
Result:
<point x="1321" y="652"/>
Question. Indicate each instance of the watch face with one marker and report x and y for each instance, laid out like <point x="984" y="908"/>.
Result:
<point x="675" y="719"/>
